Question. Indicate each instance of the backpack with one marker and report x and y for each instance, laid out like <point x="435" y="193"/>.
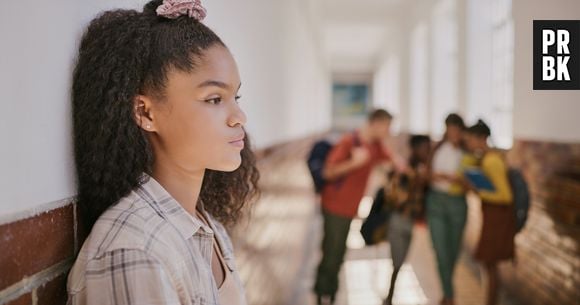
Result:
<point x="374" y="227"/>
<point x="317" y="158"/>
<point x="521" y="195"/>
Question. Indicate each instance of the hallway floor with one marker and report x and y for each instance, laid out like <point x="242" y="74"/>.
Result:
<point x="278" y="250"/>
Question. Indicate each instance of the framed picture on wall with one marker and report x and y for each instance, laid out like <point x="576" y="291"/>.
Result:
<point x="350" y="103"/>
<point x="350" y="100"/>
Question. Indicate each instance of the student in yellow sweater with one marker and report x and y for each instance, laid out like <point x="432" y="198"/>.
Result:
<point x="497" y="234"/>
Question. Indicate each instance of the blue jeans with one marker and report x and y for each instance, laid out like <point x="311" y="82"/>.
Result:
<point x="446" y="216"/>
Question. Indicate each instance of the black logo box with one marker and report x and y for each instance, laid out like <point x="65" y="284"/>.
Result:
<point x="573" y="27"/>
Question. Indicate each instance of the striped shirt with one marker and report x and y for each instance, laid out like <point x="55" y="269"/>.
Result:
<point x="148" y="250"/>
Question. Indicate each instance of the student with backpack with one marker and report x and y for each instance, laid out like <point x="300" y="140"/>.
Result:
<point x="404" y="197"/>
<point x="496" y="242"/>
<point x="374" y="227"/>
<point x="345" y="173"/>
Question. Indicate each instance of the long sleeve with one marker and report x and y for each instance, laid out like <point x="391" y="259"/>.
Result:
<point x="494" y="168"/>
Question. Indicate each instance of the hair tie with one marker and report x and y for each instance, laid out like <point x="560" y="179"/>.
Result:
<point x="175" y="8"/>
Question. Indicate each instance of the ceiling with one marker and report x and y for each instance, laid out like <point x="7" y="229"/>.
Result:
<point x="353" y="32"/>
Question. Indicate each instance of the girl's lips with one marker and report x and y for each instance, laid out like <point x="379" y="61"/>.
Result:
<point x="238" y="143"/>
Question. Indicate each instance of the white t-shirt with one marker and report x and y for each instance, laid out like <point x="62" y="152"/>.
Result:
<point x="447" y="160"/>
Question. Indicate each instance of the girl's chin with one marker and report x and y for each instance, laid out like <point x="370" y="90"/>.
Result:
<point x="229" y="165"/>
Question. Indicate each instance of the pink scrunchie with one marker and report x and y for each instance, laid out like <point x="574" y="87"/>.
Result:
<point x="174" y="8"/>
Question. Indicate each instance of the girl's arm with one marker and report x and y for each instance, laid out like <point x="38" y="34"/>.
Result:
<point x="494" y="168"/>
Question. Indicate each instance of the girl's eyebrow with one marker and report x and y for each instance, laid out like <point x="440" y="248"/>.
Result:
<point x="216" y="83"/>
<point x="213" y="83"/>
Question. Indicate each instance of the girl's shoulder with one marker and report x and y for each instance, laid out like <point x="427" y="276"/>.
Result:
<point x="494" y="158"/>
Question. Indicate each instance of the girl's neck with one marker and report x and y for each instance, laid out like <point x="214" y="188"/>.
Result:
<point x="184" y="186"/>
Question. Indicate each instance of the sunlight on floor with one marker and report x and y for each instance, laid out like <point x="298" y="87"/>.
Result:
<point x="367" y="283"/>
<point x="354" y="239"/>
<point x="367" y="280"/>
<point x="365" y="206"/>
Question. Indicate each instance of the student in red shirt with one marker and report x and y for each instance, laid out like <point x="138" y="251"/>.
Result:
<point x="347" y="170"/>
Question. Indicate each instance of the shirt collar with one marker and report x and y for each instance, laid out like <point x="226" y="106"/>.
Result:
<point x="168" y="208"/>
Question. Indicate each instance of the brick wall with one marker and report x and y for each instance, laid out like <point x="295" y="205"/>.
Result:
<point x="36" y="254"/>
<point x="547" y="270"/>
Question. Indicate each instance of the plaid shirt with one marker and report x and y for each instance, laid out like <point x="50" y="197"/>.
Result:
<point x="147" y="250"/>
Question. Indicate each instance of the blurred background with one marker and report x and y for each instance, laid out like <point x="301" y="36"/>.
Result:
<point x="310" y="67"/>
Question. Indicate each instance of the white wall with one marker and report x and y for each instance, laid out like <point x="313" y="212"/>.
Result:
<point x="37" y="47"/>
<point x="36" y="53"/>
<point x="444" y="72"/>
<point x="479" y="61"/>
<point x="307" y="94"/>
<point x="419" y="98"/>
<point x="541" y="115"/>
<point x="285" y="85"/>
<point x="386" y="88"/>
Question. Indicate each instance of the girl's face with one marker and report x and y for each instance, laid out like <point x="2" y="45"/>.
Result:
<point x="423" y="151"/>
<point x="454" y="134"/>
<point x="199" y="125"/>
<point x="474" y="143"/>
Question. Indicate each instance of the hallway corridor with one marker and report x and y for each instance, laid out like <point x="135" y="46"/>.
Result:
<point x="278" y="249"/>
<point x="80" y="81"/>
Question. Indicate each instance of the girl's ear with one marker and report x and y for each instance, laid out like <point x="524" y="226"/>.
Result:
<point x="143" y="114"/>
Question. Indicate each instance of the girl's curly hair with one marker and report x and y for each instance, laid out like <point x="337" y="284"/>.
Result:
<point x="124" y="53"/>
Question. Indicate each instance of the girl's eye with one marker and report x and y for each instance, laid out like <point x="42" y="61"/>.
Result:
<point x="215" y="101"/>
<point x="238" y="97"/>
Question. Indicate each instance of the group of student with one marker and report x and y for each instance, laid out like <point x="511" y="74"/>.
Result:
<point x="431" y="185"/>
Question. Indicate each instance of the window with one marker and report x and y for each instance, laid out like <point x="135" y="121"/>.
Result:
<point x="502" y="73"/>
<point x="419" y="110"/>
<point x="445" y="65"/>
<point x="386" y="89"/>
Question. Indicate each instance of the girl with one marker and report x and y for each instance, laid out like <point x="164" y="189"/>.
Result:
<point x="405" y="198"/>
<point x="497" y="234"/>
<point x="446" y="204"/>
<point x="161" y="157"/>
